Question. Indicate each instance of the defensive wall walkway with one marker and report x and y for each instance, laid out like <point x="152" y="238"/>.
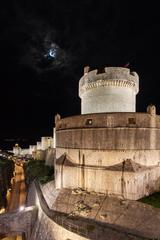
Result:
<point x="18" y="222"/>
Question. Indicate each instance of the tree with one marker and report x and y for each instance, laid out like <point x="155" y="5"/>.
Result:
<point x="6" y="173"/>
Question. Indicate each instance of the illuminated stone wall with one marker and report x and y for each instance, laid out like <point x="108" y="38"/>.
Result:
<point x="110" y="157"/>
<point x="46" y="155"/>
<point x="91" y="150"/>
<point x="39" y="154"/>
<point x="119" y="131"/>
<point x="32" y="148"/>
<point x="46" y="142"/>
<point x="112" y="91"/>
<point x="109" y="148"/>
<point x="131" y="183"/>
<point x="39" y="146"/>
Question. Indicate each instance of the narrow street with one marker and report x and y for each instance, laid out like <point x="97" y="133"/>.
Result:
<point x="18" y="194"/>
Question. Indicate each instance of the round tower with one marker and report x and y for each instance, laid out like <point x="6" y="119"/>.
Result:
<point x="112" y="91"/>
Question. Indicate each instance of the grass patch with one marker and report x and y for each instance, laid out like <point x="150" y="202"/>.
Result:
<point x="153" y="200"/>
<point x="90" y="228"/>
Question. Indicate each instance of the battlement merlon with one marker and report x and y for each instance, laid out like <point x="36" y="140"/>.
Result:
<point x="113" y="76"/>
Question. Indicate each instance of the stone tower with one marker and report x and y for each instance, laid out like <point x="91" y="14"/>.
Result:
<point x="112" y="91"/>
<point x="110" y="148"/>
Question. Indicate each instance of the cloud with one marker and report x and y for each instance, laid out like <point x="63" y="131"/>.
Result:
<point x="81" y="33"/>
<point x="39" y="55"/>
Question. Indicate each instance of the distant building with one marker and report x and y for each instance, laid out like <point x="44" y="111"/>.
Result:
<point x="39" y="146"/>
<point x="32" y="148"/>
<point x="17" y="149"/>
<point x="46" y="142"/>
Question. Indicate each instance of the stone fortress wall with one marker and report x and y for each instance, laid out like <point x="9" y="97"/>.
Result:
<point x="113" y="136"/>
<point x="98" y="155"/>
<point x="92" y="148"/>
<point x="112" y="91"/>
<point x="113" y="150"/>
<point x="109" y="131"/>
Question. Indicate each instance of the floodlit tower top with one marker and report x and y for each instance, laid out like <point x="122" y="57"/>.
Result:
<point x="112" y="91"/>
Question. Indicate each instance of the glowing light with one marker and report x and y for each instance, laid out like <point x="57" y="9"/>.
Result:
<point x="21" y="208"/>
<point x="2" y="210"/>
<point x="52" y="52"/>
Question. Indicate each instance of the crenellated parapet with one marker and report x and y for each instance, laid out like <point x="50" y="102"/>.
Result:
<point x="114" y="90"/>
<point x="113" y="76"/>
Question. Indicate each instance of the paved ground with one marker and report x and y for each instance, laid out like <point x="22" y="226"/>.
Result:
<point x="130" y="216"/>
<point x="18" y="194"/>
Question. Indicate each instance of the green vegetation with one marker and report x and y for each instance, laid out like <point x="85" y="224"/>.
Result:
<point x="36" y="169"/>
<point x="90" y="228"/>
<point x="153" y="200"/>
<point x="6" y="173"/>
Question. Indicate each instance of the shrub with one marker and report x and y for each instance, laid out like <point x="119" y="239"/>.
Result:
<point x="6" y="173"/>
<point x="36" y="169"/>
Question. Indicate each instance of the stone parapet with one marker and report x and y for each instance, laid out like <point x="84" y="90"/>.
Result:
<point x="139" y="131"/>
<point x="18" y="222"/>
<point x="107" y="120"/>
<point x="113" y="76"/>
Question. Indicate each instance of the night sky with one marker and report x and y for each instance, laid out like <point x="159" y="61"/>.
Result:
<point x="45" y="44"/>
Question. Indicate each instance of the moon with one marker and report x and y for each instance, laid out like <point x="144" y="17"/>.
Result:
<point x="52" y="52"/>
